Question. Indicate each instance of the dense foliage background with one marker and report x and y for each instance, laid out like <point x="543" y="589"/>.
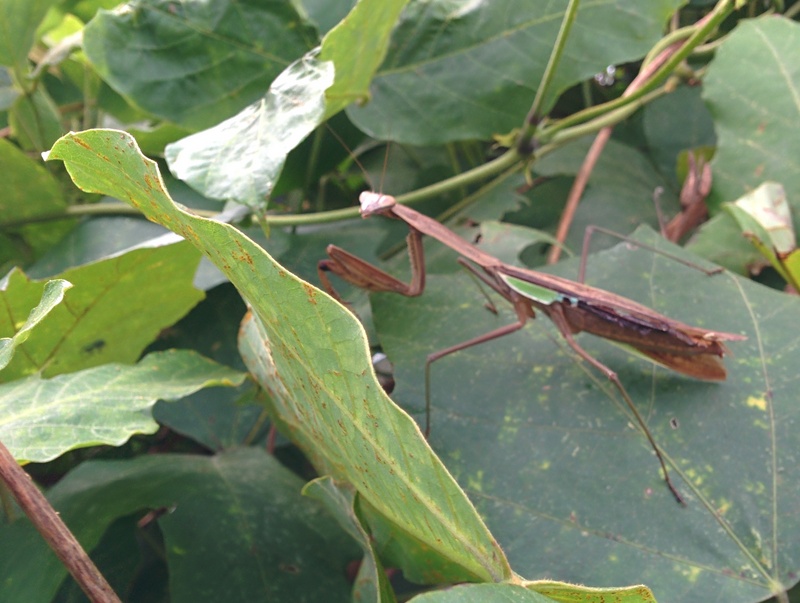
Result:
<point x="141" y="392"/>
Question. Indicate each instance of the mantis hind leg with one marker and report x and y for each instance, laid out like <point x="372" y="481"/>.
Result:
<point x="556" y="314"/>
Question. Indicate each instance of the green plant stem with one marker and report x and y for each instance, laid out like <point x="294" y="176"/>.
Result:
<point x="711" y="21"/>
<point x="586" y="93"/>
<point x="313" y="160"/>
<point x="529" y="129"/>
<point x="469" y="200"/>
<point x="609" y="119"/>
<point x="77" y="211"/>
<point x="478" y="174"/>
<point x="510" y="160"/>
<point x="668" y="40"/>
<point x="505" y="162"/>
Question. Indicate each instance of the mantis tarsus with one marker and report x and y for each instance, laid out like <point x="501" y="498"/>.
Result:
<point x="572" y="307"/>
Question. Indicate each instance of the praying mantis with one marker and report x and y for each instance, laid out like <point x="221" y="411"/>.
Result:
<point x="573" y="307"/>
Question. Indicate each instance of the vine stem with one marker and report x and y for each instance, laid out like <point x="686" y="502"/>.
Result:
<point x="651" y="70"/>
<point x="696" y="34"/>
<point x="54" y="531"/>
<point x="533" y="116"/>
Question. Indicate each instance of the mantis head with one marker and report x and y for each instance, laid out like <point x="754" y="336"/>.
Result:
<point x="375" y="203"/>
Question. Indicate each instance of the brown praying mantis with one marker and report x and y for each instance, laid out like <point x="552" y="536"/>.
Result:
<point x="571" y="306"/>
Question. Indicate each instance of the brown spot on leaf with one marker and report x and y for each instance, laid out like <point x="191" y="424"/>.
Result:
<point x="289" y="568"/>
<point x="311" y="292"/>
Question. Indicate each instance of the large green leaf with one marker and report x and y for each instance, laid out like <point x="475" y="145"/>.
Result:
<point x="674" y="123"/>
<point x="110" y="314"/>
<point x="40" y="419"/>
<point x="512" y="593"/>
<point x="196" y="62"/>
<point x="752" y="89"/>
<point x="468" y="70"/>
<point x="321" y="360"/>
<point x="548" y="452"/>
<point x="242" y="157"/>
<point x="236" y="529"/>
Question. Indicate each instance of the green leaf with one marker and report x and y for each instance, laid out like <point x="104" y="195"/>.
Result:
<point x="44" y="418"/>
<point x="620" y="192"/>
<point x="548" y="453"/>
<point x="507" y="241"/>
<point x="720" y="241"/>
<point x="767" y="209"/>
<point x="357" y="46"/>
<point x="35" y="120"/>
<point x="350" y="430"/>
<point x="32" y="190"/>
<point x="372" y="583"/>
<point x="751" y="89"/>
<point x="242" y="157"/>
<point x="219" y="419"/>
<point x="484" y="593"/>
<point x="571" y="593"/>
<point x="675" y="123"/>
<point x="764" y="218"/>
<point x="468" y="70"/>
<point x="109" y="316"/>
<point x="52" y="295"/>
<point x="18" y="22"/>
<point x="327" y="392"/>
<point x="195" y="62"/>
<point x="236" y="529"/>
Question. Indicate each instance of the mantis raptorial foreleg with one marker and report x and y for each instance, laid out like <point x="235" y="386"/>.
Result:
<point x="367" y="276"/>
